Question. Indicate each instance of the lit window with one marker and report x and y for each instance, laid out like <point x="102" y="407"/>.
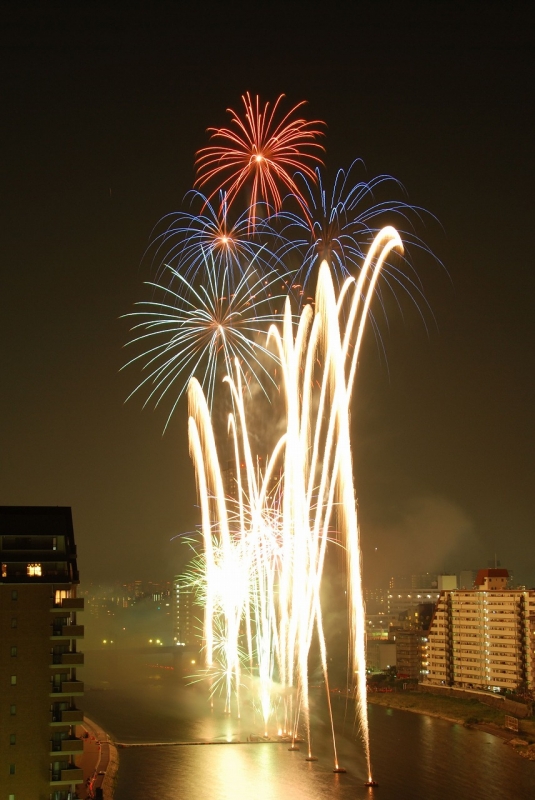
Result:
<point x="34" y="570"/>
<point x="4" y="570"/>
<point x="13" y="680"/>
<point x="13" y="651"/>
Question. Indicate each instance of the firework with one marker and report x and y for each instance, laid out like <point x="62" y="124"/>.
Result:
<point x="262" y="150"/>
<point x="340" y="226"/>
<point x="189" y="241"/>
<point x="201" y="330"/>
<point x="264" y="552"/>
<point x="221" y="314"/>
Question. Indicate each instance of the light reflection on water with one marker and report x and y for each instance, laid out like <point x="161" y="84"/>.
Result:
<point x="413" y="756"/>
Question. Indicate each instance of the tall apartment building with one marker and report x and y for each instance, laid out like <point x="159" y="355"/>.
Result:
<point x="186" y="626"/>
<point x="483" y="638"/>
<point x="39" y="633"/>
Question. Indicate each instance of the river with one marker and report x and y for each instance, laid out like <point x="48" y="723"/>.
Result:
<point x="413" y="756"/>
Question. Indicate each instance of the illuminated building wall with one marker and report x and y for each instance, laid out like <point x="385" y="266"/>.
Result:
<point x="39" y="632"/>
<point x="411" y="654"/>
<point x="186" y="623"/>
<point x="483" y="639"/>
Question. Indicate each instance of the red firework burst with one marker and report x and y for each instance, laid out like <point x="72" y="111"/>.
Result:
<point x="263" y="149"/>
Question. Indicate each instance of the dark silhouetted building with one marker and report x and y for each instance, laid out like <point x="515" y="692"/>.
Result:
<point x="39" y="687"/>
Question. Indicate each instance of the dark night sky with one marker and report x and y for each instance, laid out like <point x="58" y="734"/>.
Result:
<point x="436" y="94"/>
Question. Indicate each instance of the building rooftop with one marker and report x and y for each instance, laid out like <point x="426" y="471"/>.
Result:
<point x="37" y="545"/>
<point x="490" y="573"/>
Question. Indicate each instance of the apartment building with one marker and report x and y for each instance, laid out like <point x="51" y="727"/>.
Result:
<point x="411" y="653"/>
<point x="39" y="657"/>
<point x="186" y="626"/>
<point x="483" y="638"/>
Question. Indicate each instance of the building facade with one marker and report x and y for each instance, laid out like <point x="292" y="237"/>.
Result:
<point x="411" y="654"/>
<point x="483" y="638"/>
<point x="39" y="656"/>
<point x="186" y="625"/>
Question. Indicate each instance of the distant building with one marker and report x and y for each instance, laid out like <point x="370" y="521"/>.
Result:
<point x="39" y="632"/>
<point x="380" y="655"/>
<point x="411" y="654"/>
<point x="483" y="638"/>
<point x="467" y="578"/>
<point x="185" y="621"/>
<point x="399" y="602"/>
<point x="446" y="582"/>
<point x="375" y="601"/>
<point x="423" y="582"/>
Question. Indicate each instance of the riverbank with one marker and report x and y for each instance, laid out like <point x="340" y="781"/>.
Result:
<point x="470" y="713"/>
<point x="100" y="762"/>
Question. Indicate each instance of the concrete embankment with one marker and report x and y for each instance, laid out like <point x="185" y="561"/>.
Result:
<point x="100" y="762"/>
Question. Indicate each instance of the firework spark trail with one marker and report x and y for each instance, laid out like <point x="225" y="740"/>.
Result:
<point x="189" y="241"/>
<point x="272" y="555"/>
<point x="204" y="329"/>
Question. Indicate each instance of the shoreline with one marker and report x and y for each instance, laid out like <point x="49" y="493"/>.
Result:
<point x="516" y="740"/>
<point x="107" y="762"/>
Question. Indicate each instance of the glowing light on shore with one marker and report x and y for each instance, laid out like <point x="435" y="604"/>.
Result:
<point x="264" y="552"/>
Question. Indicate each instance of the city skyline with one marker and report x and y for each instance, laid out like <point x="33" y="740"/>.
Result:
<point x="443" y="433"/>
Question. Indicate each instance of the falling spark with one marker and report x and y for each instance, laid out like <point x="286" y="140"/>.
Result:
<point x="264" y="552"/>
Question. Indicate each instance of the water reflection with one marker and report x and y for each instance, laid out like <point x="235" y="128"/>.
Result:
<point x="413" y="756"/>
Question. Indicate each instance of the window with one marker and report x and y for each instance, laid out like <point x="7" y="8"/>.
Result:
<point x="12" y="738"/>
<point x="13" y="622"/>
<point x="11" y="769"/>
<point x="12" y="710"/>
<point x="11" y="797"/>
<point x="34" y="570"/>
<point x="13" y="651"/>
<point x="4" y="570"/>
<point x="14" y="595"/>
<point x="13" y="680"/>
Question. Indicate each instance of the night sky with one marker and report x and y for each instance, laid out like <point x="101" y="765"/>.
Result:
<point x="102" y="112"/>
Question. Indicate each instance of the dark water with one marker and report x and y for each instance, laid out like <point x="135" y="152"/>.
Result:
<point x="413" y="756"/>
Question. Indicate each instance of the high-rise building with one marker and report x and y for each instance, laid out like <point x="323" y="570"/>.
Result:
<point x="483" y="638"/>
<point x="186" y="623"/>
<point x="39" y="633"/>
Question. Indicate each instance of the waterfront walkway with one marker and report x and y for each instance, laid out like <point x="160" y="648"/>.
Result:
<point x="99" y="762"/>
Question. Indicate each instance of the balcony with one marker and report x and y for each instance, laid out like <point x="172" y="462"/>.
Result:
<point x="66" y="746"/>
<point x="69" y="604"/>
<point x="68" y="688"/>
<point x="71" y="716"/>
<point x="67" y="659"/>
<point x="68" y="632"/>
<point x="70" y="775"/>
